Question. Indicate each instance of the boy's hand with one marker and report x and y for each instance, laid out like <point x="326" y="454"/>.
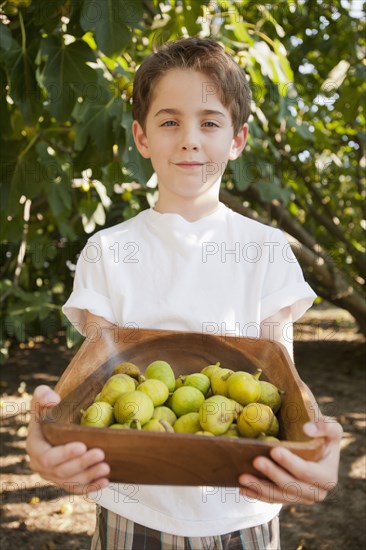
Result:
<point x="293" y="479"/>
<point x="70" y="466"/>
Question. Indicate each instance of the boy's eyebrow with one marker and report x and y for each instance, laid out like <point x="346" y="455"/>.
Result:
<point x="178" y="112"/>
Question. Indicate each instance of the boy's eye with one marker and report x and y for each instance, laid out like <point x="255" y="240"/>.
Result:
<point x="169" y="123"/>
<point x="210" y="124"/>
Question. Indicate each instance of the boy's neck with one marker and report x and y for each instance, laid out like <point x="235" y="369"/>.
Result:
<point x="190" y="210"/>
<point x="191" y="207"/>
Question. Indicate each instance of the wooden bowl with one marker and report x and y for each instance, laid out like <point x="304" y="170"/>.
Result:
<point x="178" y="459"/>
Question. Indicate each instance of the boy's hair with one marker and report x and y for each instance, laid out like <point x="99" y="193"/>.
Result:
<point x="198" y="54"/>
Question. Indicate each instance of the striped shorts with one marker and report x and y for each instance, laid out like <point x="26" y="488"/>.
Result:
<point x="113" y="532"/>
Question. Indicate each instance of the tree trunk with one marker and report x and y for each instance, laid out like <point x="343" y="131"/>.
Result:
<point x="328" y="281"/>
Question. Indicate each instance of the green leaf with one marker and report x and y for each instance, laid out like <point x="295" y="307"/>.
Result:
<point x="66" y="230"/>
<point x="93" y="119"/>
<point x="66" y="74"/>
<point x="269" y="191"/>
<point x="239" y="27"/>
<point x="46" y="14"/>
<point x="300" y="129"/>
<point x="109" y="19"/>
<point x="272" y="65"/>
<point x="27" y="179"/>
<point x="30" y="305"/>
<point x="283" y="61"/>
<point x="191" y="12"/>
<point x="5" y="127"/>
<point x="240" y="169"/>
<point x="24" y="88"/>
<point x="6" y="38"/>
<point x="73" y="27"/>
<point x="88" y="206"/>
<point x="56" y="181"/>
<point x="112" y="174"/>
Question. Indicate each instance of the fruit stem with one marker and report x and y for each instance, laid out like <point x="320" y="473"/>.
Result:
<point x="135" y="424"/>
<point x="257" y="374"/>
<point x="167" y="427"/>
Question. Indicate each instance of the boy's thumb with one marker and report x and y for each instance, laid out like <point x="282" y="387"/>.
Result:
<point x="44" y="397"/>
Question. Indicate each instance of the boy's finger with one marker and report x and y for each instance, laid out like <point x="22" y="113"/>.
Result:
<point x="46" y="457"/>
<point x="325" y="427"/>
<point x="71" y="468"/>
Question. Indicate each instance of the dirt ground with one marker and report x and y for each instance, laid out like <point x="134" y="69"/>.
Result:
<point x="330" y="357"/>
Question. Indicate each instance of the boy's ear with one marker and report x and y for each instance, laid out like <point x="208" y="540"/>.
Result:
<point x="140" y="139"/>
<point x="238" y="143"/>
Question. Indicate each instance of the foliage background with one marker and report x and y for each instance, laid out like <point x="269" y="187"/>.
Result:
<point x="69" y="166"/>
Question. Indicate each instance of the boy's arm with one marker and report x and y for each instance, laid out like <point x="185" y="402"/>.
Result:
<point x="71" y="466"/>
<point x="279" y="328"/>
<point x="290" y="478"/>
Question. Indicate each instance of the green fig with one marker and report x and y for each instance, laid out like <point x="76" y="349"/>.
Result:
<point x="155" y="425"/>
<point x="270" y="395"/>
<point x="232" y="431"/>
<point x="179" y="382"/>
<point x="98" y="415"/>
<point x="115" y="386"/>
<point x="128" y="368"/>
<point x="257" y="374"/>
<point x="237" y="408"/>
<point x="219" y="380"/>
<point x="204" y="432"/>
<point x="264" y="437"/>
<point x="165" y="413"/>
<point x="255" y="419"/>
<point x="161" y="370"/>
<point x="186" y="399"/>
<point x="199" y="381"/>
<point x="133" y="405"/>
<point x="210" y="369"/>
<point x="168" y="402"/>
<point x="188" y="423"/>
<point x="216" y="414"/>
<point x="274" y="427"/>
<point x="156" y="389"/>
<point x="97" y="397"/>
<point x="243" y="387"/>
<point x="120" y="426"/>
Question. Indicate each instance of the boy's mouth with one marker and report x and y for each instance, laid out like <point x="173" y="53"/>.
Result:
<point x="188" y="163"/>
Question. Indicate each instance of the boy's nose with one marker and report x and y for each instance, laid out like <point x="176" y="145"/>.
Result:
<point x="189" y="140"/>
<point x="190" y="147"/>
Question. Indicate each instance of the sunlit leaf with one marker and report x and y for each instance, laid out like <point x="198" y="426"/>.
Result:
<point x="66" y="74"/>
<point x="110" y="19"/>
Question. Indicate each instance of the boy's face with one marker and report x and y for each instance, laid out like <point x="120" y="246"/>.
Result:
<point x="189" y="134"/>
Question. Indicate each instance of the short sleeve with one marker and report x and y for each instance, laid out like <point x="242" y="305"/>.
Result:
<point x="90" y="290"/>
<point x="284" y="284"/>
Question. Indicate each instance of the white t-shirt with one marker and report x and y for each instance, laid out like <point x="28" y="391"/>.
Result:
<point x="222" y="274"/>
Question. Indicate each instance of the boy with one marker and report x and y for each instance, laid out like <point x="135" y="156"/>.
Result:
<point x="190" y="108"/>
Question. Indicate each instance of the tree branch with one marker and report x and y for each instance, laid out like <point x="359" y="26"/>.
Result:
<point x="329" y="281"/>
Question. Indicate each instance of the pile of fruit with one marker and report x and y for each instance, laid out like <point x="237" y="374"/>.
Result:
<point x="215" y="401"/>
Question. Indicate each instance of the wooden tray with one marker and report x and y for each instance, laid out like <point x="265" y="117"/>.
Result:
<point x="177" y="459"/>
